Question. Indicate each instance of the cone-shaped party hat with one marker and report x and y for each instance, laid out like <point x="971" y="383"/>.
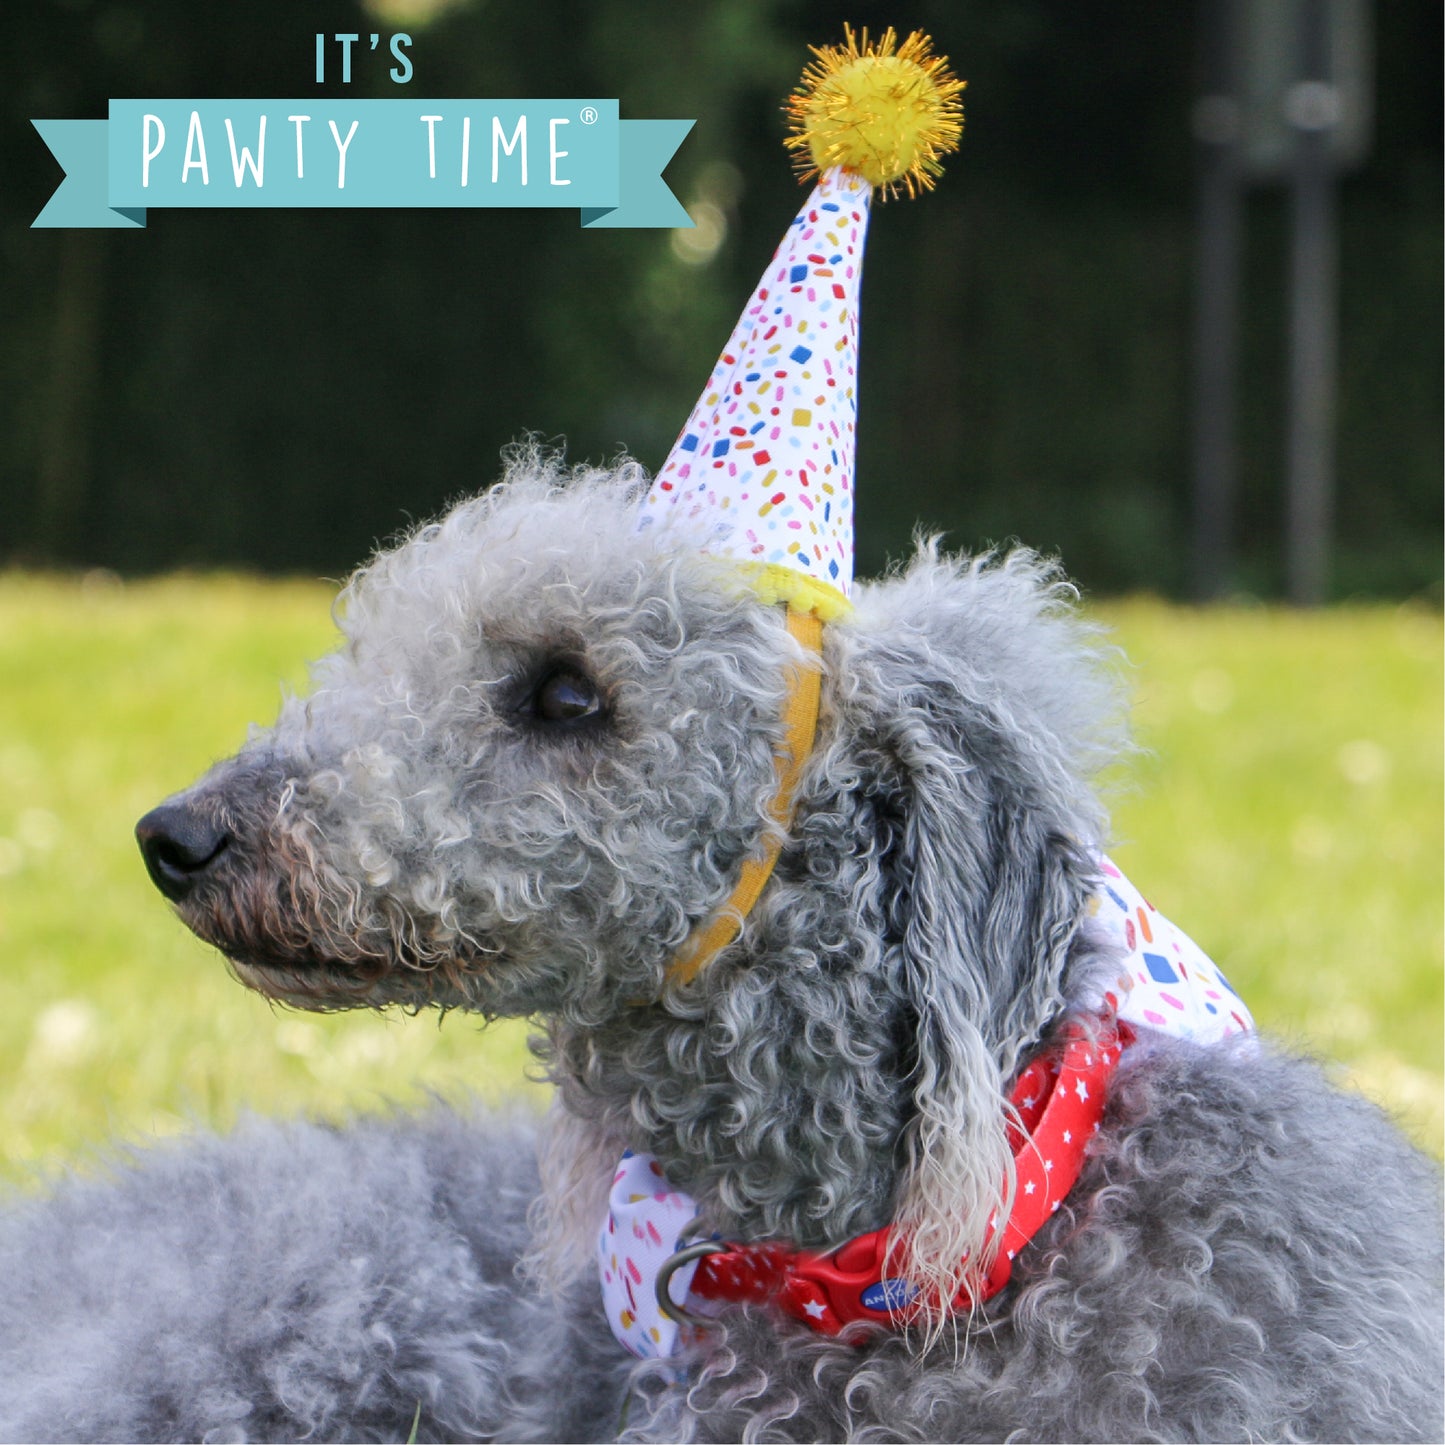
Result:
<point x="762" y="473"/>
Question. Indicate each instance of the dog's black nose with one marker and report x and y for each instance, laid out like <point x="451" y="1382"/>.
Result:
<point x="179" y="844"/>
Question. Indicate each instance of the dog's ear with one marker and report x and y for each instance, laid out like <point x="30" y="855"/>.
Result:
<point x="982" y="697"/>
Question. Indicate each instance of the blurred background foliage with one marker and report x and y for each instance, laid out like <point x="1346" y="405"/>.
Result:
<point x="279" y="390"/>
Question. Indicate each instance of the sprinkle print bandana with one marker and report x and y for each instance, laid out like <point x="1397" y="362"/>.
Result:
<point x="1163" y="982"/>
<point x="763" y="471"/>
<point x="647" y="1222"/>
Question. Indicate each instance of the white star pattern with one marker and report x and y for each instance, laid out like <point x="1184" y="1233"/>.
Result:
<point x="814" y="1310"/>
<point x="1081" y="1089"/>
<point x="1068" y="1136"/>
<point x="1029" y="1187"/>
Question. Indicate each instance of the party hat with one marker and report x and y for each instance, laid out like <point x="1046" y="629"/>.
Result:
<point x="763" y="471"/>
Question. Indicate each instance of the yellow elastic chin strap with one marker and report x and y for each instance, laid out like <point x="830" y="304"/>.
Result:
<point x="810" y="604"/>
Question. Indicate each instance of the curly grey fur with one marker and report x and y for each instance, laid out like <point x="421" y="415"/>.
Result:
<point x="1249" y="1254"/>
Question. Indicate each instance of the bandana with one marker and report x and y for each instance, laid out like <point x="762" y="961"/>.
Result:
<point x="1162" y="981"/>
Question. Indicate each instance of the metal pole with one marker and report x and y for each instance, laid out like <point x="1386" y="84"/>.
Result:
<point x="1312" y="107"/>
<point x="1217" y="128"/>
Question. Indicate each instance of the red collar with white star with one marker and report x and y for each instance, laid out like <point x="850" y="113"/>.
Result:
<point x="1059" y="1098"/>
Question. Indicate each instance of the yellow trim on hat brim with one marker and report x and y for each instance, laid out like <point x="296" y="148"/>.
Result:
<point x="774" y="582"/>
<point x="800" y="727"/>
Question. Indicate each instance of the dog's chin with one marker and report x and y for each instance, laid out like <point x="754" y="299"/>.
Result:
<point x="291" y="968"/>
<point x="310" y="985"/>
<point x="307" y="980"/>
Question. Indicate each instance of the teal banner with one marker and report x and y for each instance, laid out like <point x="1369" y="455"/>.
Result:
<point x="573" y="154"/>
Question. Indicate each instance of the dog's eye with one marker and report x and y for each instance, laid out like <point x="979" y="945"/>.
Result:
<point x="565" y="696"/>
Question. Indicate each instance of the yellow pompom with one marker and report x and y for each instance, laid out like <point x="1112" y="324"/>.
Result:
<point x="887" y="112"/>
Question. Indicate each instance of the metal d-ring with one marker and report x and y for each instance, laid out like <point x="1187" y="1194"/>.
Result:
<point x="677" y="1313"/>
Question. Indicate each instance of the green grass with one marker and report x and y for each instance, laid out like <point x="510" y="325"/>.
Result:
<point x="1287" y="814"/>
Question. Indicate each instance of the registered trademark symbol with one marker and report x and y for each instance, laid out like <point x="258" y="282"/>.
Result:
<point x="589" y="115"/>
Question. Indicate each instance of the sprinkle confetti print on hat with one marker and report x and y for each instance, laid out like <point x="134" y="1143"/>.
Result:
<point x="763" y="470"/>
<point x="762" y="473"/>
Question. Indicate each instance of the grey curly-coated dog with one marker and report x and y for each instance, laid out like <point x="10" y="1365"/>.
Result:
<point x="534" y="766"/>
